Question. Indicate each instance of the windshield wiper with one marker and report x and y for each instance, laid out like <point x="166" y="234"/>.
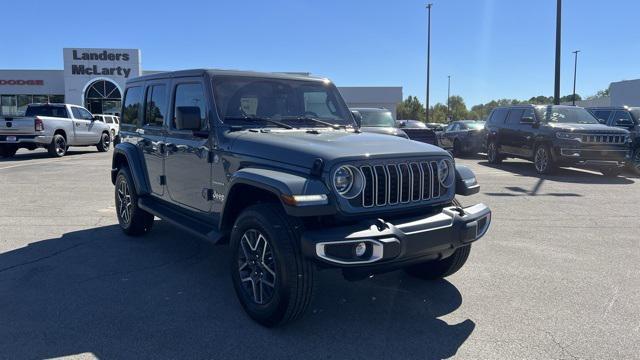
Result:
<point x="315" y="120"/>
<point x="256" y="118"/>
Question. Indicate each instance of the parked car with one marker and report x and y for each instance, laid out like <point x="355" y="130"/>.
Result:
<point x="464" y="137"/>
<point x="418" y="131"/>
<point x="274" y="165"/>
<point x="555" y="135"/>
<point x="112" y="121"/>
<point x="377" y="120"/>
<point x="437" y="127"/>
<point x="54" y="127"/>
<point x="626" y="118"/>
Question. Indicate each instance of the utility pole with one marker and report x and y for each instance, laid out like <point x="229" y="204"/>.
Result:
<point x="448" y="97"/>
<point x="556" y="90"/>
<point x="575" y="71"/>
<point x="428" y="57"/>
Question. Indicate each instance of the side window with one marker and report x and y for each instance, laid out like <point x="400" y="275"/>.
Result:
<point x="498" y="116"/>
<point x="84" y="114"/>
<point x="108" y="119"/>
<point x="514" y="116"/>
<point x="528" y="113"/>
<point x="131" y="106"/>
<point x="622" y="118"/>
<point x="602" y="115"/>
<point x="451" y="127"/>
<point x="76" y="113"/>
<point x="189" y="108"/>
<point x="156" y="106"/>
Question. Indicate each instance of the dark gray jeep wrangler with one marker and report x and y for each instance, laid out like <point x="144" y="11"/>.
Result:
<point x="274" y="165"/>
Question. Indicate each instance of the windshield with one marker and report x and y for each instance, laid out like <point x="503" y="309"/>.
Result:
<point x="564" y="114"/>
<point x="252" y="100"/>
<point x="377" y="118"/>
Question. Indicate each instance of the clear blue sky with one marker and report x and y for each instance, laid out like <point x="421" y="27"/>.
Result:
<point x="491" y="48"/>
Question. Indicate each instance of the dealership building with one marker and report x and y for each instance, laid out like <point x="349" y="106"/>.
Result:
<point x="95" y="79"/>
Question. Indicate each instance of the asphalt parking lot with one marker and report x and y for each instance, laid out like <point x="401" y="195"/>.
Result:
<point x="557" y="276"/>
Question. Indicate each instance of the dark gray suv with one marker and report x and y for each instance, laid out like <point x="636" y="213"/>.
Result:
<point x="274" y="165"/>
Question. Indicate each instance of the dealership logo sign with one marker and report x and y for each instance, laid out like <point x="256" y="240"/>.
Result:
<point x="21" y="82"/>
<point x="100" y="56"/>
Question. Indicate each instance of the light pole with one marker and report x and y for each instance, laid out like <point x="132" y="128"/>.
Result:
<point x="556" y="90"/>
<point x="428" y="57"/>
<point x="575" y="71"/>
<point x="448" y="96"/>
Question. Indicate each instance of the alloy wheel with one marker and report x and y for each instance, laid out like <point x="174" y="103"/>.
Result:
<point x="256" y="264"/>
<point x="541" y="160"/>
<point x="491" y="152"/>
<point x="124" y="202"/>
<point x="636" y="161"/>
<point x="61" y="146"/>
<point x="106" y="141"/>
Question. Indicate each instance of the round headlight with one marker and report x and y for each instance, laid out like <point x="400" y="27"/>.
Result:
<point x="445" y="173"/>
<point x="348" y="181"/>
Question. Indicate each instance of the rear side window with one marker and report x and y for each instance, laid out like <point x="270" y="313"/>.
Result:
<point x="602" y="115"/>
<point x="51" y="111"/>
<point x="189" y="99"/>
<point x="514" y="116"/>
<point x="498" y="116"/>
<point x="108" y="119"/>
<point x="156" y="107"/>
<point x="131" y="106"/>
<point x="622" y="118"/>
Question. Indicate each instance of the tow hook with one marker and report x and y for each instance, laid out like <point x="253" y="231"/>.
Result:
<point x="459" y="210"/>
<point x="381" y="224"/>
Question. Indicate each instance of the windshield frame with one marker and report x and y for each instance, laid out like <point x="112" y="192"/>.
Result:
<point x="344" y="117"/>
<point x="542" y="113"/>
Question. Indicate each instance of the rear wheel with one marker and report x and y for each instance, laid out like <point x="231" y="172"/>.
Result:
<point x="8" y="151"/>
<point x="133" y="220"/>
<point x="635" y="161"/>
<point x="543" y="161"/>
<point x="493" y="154"/>
<point x="105" y="142"/>
<point x="58" y="146"/>
<point x="272" y="279"/>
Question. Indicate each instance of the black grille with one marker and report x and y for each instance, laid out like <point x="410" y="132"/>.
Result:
<point x="603" y="139"/>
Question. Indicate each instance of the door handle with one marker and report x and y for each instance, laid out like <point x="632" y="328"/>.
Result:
<point x="140" y="131"/>
<point x="171" y="148"/>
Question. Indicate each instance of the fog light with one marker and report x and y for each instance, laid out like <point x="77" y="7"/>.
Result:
<point x="360" y="249"/>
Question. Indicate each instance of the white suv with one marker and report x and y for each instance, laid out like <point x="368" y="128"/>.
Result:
<point x="113" y="122"/>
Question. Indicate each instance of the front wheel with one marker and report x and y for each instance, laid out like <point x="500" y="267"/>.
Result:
<point x="543" y="161"/>
<point x="272" y="279"/>
<point x="105" y="142"/>
<point x="611" y="172"/>
<point x="493" y="154"/>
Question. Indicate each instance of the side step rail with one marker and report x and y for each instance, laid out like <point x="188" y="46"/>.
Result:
<point x="194" y="226"/>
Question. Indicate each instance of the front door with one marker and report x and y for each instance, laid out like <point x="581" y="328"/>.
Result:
<point x="187" y="165"/>
<point x="82" y="126"/>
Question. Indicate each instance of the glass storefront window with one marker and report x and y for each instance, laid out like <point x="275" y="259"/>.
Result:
<point x="42" y="99"/>
<point x="23" y="101"/>
<point x="16" y="105"/>
<point x="58" y="99"/>
<point x="9" y="105"/>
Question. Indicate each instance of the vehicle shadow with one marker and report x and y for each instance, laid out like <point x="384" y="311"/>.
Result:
<point x="166" y="295"/>
<point x="566" y="175"/>
<point x="42" y="154"/>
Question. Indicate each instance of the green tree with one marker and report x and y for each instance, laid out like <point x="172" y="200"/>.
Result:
<point x="569" y="98"/>
<point x="410" y="109"/>
<point x="438" y="113"/>
<point x="458" y="109"/>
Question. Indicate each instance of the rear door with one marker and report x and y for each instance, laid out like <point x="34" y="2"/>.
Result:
<point x="509" y="136"/>
<point x="153" y="134"/>
<point x="495" y="123"/>
<point x="187" y="165"/>
<point x="525" y="138"/>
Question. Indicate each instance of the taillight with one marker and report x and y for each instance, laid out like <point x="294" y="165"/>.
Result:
<point x="39" y="124"/>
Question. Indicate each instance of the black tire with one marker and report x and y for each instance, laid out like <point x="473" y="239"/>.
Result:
<point x="493" y="153"/>
<point x="611" y="172"/>
<point x="58" y="146"/>
<point x="133" y="220"/>
<point x="280" y="263"/>
<point x="543" y="160"/>
<point x="8" y="151"/>
<point x="634" y="164"/>
<point x="105" y="142"/>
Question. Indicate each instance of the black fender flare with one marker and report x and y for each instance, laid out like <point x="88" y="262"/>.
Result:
<point x="466" y="182"/>
<point x="129" y="155"/>
<point x="280" y="184"/>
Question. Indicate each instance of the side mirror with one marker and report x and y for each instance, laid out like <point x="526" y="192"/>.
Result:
<point x="357" y="117"/>
<point x="94" y="118"/>
<point x="188" y="118"/>
<point x="402" y="124"/>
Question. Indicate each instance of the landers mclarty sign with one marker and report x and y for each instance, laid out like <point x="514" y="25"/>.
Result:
<point x="103" y="56"/>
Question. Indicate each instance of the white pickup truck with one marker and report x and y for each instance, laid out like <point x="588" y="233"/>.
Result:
<point x="54" y="127"/>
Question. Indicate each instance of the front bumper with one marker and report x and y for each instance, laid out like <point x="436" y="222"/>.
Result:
<point x="395" y="244"/>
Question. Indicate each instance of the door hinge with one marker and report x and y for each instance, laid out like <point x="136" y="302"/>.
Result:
<point x="163" y="180"/>
<point x="210" y="157"/>
<point x="209" y="194"/>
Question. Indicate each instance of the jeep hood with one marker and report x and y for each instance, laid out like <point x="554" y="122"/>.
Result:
<point x="301" y="148"/>
<point x="594" y="128"/>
